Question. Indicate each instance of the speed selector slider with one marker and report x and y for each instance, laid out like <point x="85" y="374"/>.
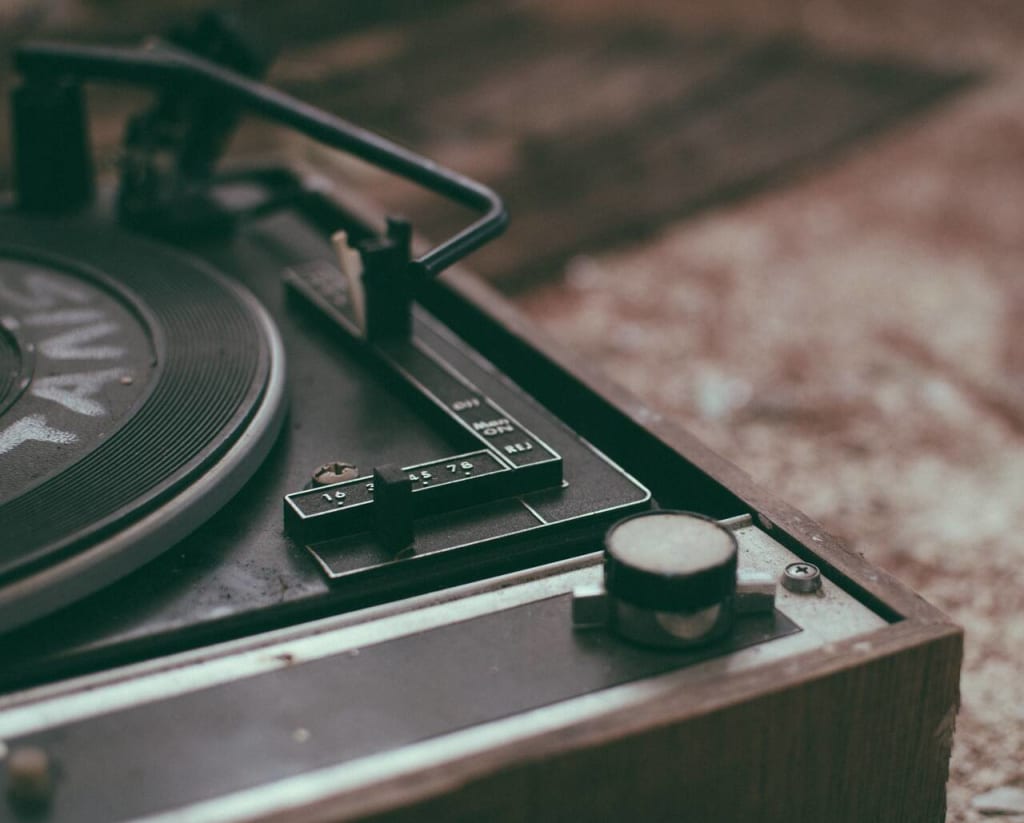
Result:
<point x="670" y="580"/>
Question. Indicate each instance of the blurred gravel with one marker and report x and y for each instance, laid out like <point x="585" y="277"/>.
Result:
<point x="854" y="342"/>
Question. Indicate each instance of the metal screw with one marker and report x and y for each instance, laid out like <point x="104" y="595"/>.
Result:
<point x="29" y="777"/>
<point x="336" y="471"/>
<point x="801" y="577"/>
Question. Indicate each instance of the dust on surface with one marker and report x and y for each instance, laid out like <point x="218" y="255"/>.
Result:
<point x="852" y="339"/>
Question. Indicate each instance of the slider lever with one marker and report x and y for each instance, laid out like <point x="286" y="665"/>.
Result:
<point x="392" y="508"/>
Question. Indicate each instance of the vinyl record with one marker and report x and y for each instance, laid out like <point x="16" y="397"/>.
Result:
<point x="139" y="389"/>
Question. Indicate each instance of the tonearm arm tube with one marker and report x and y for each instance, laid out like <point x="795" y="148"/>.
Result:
<point x="162" y="66"/>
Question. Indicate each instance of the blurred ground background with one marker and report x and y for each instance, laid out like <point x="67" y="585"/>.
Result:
<point x="793" y="226"/>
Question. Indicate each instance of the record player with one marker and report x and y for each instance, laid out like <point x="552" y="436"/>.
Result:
<point x="293" y="528"/>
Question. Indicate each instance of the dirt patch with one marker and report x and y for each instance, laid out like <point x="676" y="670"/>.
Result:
<point x="853" y="341"/>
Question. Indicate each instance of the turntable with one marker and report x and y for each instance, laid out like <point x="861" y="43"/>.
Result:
<point x="292" y="528"/>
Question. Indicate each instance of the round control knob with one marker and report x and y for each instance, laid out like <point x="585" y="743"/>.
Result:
<point x="670" y="577"/>
<point x="669" y="560"/>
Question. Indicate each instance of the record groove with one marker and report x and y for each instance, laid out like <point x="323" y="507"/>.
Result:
<point x="212" y="361"/>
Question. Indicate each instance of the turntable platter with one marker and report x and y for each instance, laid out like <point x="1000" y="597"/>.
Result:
<point x="139" y="389"/>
